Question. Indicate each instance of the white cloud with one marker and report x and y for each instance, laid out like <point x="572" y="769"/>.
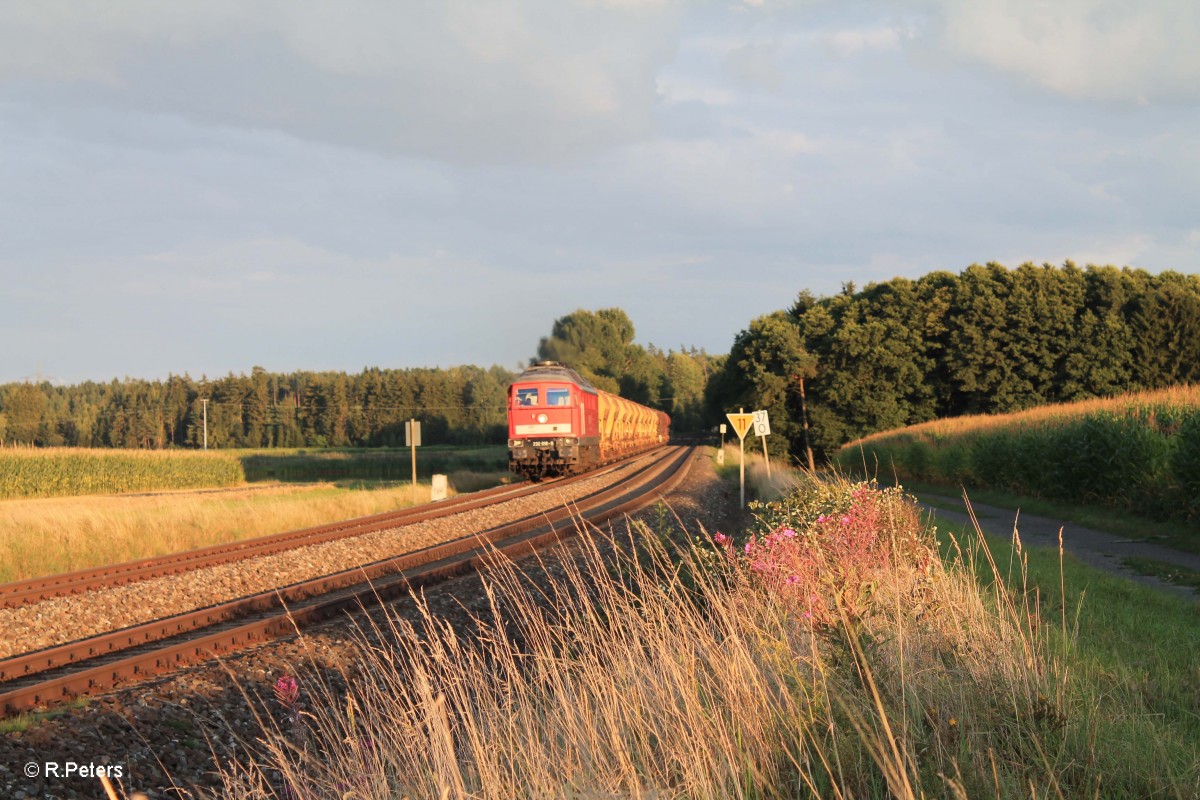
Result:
<point x="674" y="89"/>
<point x="509" y="80"/>
<point x="1133" y="51"/>
<point x="845" y="43"/>
<point x="754" y="64"/>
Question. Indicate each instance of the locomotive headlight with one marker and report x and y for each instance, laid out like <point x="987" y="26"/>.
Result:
<point x="542" y="418"/>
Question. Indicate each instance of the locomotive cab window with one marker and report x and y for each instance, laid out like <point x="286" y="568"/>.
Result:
<point x="527" y="397"/>
<point x="558" y="397"/>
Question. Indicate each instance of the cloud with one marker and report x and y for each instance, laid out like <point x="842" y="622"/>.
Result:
<point x="510" y="80"/>
<point x="754" y="64"/>
<point x="1132" y="51"/>
<point x="845" y="43"/>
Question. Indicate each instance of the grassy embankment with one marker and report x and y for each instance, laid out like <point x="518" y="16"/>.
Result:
<point x="1130" y="464"/>
<point x="55" y="534"/>
<point x="840" y="648"/>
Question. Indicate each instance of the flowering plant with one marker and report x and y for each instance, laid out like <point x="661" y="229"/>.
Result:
<point x="826" y="546"/>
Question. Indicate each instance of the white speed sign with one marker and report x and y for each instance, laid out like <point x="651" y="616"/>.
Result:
<point x="762" y="425"/>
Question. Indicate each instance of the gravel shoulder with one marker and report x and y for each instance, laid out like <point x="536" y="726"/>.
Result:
<point x="1098" y="549"/>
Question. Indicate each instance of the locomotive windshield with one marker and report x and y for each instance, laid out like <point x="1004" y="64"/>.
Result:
<point x="527" y="397"/>
<point x="558" y="397"/>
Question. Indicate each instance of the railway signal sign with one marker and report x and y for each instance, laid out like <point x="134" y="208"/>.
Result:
<point x="762" y="424"/>
<point x="762" y="429"/>
<point x="741" y="423"/>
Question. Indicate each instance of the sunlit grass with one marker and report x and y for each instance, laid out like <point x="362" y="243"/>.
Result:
<point x="52" y="535"/>
<point x="835" y="651"/>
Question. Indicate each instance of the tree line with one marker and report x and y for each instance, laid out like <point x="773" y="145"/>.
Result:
<point x="987" y="340"/>
<point x="460" y="405"/>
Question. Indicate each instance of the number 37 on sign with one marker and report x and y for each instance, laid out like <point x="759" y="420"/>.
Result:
<point x="762" y="425"/>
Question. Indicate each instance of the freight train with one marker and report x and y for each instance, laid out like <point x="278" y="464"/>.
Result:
<point x="559" y="424"/>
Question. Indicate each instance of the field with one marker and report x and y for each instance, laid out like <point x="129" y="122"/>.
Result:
<point x="1137" y="453"/>
<point x="65" y="472"/>
<point x="47" y="535"/>
<point x="376" y="464"/>
<point x="839" y="648"/>
<point x="59" y="472"/>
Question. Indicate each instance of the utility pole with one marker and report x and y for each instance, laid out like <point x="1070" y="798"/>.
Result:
<point x="812" y="467"/>
<point x="204" y="402"/>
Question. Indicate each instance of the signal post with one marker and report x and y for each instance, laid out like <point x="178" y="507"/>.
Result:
<point x="412" y="438"/>
<point x="741" y="423"/>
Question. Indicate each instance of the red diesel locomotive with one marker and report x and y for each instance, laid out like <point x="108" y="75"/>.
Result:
<point x="559" y="424"/>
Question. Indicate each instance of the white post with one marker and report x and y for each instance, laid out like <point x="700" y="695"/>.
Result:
<point x="204" y="402"/>
<point x="413" y="441"/>
<point x="742" y="458"/>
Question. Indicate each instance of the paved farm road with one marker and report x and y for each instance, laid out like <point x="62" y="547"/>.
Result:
<point x="1096" y="548"/>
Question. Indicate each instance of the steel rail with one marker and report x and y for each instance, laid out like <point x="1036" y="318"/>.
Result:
<point x="35" y="590"/>
<point x="173" y="642"/>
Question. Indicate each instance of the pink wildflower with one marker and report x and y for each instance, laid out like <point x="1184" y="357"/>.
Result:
<point x="287" y="690"/>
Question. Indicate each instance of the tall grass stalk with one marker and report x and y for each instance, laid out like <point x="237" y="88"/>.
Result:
<point x="833" y="655"/>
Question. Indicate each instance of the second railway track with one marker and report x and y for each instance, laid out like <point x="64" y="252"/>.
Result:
<point x="35" y="590"/>
<point x="96" y="663"/>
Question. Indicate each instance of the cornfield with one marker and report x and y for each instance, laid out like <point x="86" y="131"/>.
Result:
<point x="1138" y="453"/>
<point x="56" y="472"/>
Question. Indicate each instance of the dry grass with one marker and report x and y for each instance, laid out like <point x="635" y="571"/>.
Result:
<point x="703" y="672"/>
<point x="763" y="481"/>
<point x="52" y="535"/>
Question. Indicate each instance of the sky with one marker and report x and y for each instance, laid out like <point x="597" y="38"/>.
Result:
<point x="204" y="186"/>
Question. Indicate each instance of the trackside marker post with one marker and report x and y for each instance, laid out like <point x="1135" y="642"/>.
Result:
<point x="762" y="429"/>
<point x="412" y="438"/>
<point x="741" y="424"/>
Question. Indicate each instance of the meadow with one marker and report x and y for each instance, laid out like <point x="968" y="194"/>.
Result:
<point x="840" y="647"/>
<point x="42" y="535"/>
<point x="1137" y="453"/>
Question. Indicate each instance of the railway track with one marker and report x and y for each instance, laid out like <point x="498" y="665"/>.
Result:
<point x="97" y="663"/>
<point x="35" y="590"/>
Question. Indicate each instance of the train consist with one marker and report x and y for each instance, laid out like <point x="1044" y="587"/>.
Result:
<point x="559" y="424"/>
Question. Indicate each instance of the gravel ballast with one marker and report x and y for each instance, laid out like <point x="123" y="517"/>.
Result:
<point x="65" y="619"/>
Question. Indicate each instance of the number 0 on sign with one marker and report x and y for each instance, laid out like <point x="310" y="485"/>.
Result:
<point x="762" y="424"/>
